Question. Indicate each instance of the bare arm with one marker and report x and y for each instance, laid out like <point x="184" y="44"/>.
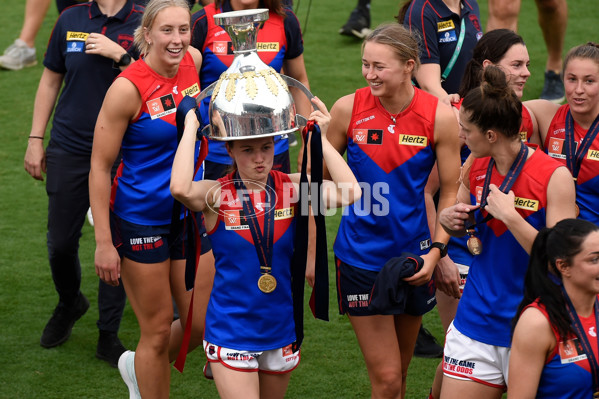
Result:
<point x="45" y="99"/>
<point x="542" y="111"/>
<point x="533" y="341"/>
<point x="195" y="195"/>
<point x="121" y="104"/>
<point x="561" y="199"/>
<point x="447" y="150"/>
<point x="343" y="189"/>
<point x="429" y="79"/>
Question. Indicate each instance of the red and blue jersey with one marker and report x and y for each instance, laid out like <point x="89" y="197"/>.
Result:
<point x="587" y="182"/>
<point x="87" y="77"/>
<point x="141" y="188"/>
<point x="392" y="162"/>
<point x="567" y="374"/>
<point x="440" y="28"/>
<point x="496" y="278"/>
<point x="278" y="39"/>
<point x="239" y="315"/>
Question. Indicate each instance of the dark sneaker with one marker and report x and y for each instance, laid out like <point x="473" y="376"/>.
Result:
<point x="58" y="329"/>
<point x="109" y="348"/>
<point x="358" y="24"/>
<point x="553" y="90"/>
<point x="427" y="346"/>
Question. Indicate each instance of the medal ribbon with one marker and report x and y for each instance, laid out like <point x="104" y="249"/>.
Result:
<point x="582" y="336"/>
<point x="319" y="300"/>
<point x="574" y="157"/>
<point x="263" y="242"/>
<point x="506" y="184"/>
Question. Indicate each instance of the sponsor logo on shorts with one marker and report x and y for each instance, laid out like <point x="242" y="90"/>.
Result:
<point x="80" y="36"/>
<point x="411" y="139"/>
<point x="241" y="356"/>
<point x="268" y="46"/>
<point x="162" y="106"/>
<point x="357" y="300"/>
<point x="146" y="243"/>
<point x="458" y="366"/>
<point x="287" y="351"/>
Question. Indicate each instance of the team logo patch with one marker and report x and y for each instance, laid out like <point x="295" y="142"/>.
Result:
<point x="268" y="46"/>
<point x="80" y="36"/>
<point x="235" y="220"/>
<point x="410" y="139"/>
<point x="125" y="40"/>
<point x="479" y="194"/>
<point x="75" y="47"/>
<point x="443" y="26"/>
<point x="571" y="351"/>
<point x="222" y="48"/>
<point x="475" y="22"/>
<point x="287" y="351"/>
<point x="368" y="136"/>
<point x="593" y="155"/>
<point x="191" y="91"/>
<point x="162" y="106"/>
<point x="556" y="148"/>
<point x="527" y="204"/>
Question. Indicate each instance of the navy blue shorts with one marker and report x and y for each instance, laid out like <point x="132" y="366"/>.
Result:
<point x="151" y="244"/>
<point x="354" y="286"/>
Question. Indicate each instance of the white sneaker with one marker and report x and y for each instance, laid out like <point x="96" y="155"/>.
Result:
<point x="90" y="217"/>
<point x="18" y="56"/>
<point x="127" y="370"/>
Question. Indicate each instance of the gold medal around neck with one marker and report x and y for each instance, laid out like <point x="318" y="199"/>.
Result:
<point x="474" y="244"/>
<point x="267" y="283"/>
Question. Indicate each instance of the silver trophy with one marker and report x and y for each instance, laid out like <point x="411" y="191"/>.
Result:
<point x="250" y="99"/>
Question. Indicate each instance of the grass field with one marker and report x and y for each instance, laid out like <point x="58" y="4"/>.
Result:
<point x="332" y="365"/>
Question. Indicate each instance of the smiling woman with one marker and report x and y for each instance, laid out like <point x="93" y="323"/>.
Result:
<point x="393" y="133"/>
<point x="138" y="117"/>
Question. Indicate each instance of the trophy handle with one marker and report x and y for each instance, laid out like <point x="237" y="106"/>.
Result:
<point x="300" y="119"/>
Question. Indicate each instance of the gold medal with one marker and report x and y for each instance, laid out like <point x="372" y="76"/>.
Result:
<point x="475" y="245"/>
<point x="596" y="395"/>
<point x="267" y="283"/>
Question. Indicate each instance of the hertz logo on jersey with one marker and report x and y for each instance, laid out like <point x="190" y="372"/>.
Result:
<point x="408" y="139"/>
<point x="285" y="213"/>
<point x="81" y="36"/>
<point x="524" y="136"/>
<point x="191" y="91"/>
<point x="268" y="46"/>
<point x="593" y="155"/>
<point x="445" y="25"/>
<point x="527" y="204"/>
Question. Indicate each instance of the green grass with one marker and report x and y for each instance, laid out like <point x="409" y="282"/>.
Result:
<point x="332" y="365"/>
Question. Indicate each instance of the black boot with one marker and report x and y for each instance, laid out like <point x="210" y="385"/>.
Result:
<point x="426" y="345"/>
<point x="109" y="348"/>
